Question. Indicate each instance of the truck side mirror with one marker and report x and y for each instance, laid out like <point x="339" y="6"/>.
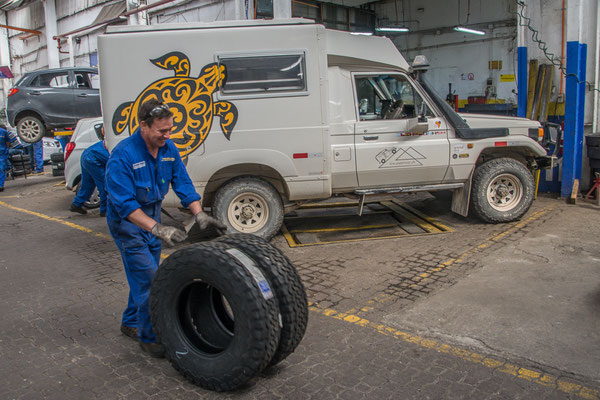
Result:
<point x="415" y="125"/>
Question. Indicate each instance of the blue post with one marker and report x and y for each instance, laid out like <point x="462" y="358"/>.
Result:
<point x="574" y="112"/>
<point x="522" y="81"/>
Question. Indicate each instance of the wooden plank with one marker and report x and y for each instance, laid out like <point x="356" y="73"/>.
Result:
<point x="546" y="92"/>
<point x="533" y="70"/>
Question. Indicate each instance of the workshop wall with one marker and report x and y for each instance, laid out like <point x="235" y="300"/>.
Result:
<point x="461" y="59"/>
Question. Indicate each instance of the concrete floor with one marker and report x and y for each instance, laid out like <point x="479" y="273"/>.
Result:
<point x="487" y="311"/>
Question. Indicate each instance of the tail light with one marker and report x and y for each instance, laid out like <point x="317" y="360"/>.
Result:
<point x="12" y="91"/>
<point x="69" y="149"/>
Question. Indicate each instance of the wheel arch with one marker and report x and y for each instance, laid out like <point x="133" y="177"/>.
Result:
<point x="519" y="153"/>
<point x="27" y="113"/>
<point x="255" y="170"/>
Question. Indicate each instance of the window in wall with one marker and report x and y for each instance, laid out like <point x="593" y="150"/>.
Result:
<point x="388" y="97"/>
<point x="264" y="74"/>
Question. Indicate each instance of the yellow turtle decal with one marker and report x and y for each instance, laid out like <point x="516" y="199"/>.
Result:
<point x="190" y="100"/>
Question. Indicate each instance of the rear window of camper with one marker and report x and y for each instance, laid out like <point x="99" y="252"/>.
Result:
<point x="264" y="74"/>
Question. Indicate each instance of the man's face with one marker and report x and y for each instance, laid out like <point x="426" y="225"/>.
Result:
<point x="157" y="134"/>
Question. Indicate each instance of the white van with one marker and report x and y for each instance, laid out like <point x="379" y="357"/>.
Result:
<point x="270" y="114"/>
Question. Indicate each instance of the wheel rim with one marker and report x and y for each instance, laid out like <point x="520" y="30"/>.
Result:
<point x="30" y="129"/>
<point x="504" y="192"/>
<point x="94" y="200"/>
<point x="248" y="212"/>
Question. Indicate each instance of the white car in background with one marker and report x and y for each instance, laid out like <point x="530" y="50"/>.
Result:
<point x="50" y="146"/>
<point x="87" y="132"/>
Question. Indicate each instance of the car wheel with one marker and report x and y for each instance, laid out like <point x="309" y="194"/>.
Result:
<point x="503" y="190"/>
<point x="215" y="314"/>
<point x="30" y="129"/>
<point x="249" y="205"/>
<point x="94" y="201"/>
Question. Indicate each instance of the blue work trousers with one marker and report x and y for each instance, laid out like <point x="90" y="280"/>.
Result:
<point x="3" y="158"/>
<point x="141" y="256"/>
<point x="92" y="176"/>
<point x="38" y="156"/>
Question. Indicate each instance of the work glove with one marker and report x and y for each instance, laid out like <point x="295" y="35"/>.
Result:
<point x="204" y="221"/>
<point x="169" y="234"/>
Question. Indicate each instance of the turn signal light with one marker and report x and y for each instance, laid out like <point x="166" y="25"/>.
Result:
<point x="12" y="91"/>
<point x="69" y="149"/>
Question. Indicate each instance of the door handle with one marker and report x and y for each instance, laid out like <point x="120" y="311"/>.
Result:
<point x="82" y="95"/>
<point x="370" y="137"/>
<point x="35" y="93"/>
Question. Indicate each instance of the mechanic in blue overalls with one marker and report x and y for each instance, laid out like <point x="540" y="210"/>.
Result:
<point x="93" y="168"/>
<point x="8" y="140"/>
<point x="38" y="157"/>
<point x="138" y="174"/>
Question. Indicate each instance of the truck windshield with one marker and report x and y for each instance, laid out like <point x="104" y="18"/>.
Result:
<point x="455" y="120"/>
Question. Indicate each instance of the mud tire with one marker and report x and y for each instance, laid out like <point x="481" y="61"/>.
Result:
<point x="510" y="173"/>
<point x="250" y="189"/>
<point x="198" y="338"/>
<point x="287" y="285"/>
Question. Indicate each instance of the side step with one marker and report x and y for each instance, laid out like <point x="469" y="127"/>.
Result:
<point x="403" y="189"/>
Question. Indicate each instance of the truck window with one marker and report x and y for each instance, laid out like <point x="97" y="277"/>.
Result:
<point x="388" y="97"/>
<point x="264" y="74"/>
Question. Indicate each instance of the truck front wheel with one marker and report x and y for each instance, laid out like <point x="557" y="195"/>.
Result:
<point x="249" y="205"/>
<point x="502" y="191"/>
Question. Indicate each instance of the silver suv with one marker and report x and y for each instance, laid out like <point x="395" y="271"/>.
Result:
<point x="52" y="98"/>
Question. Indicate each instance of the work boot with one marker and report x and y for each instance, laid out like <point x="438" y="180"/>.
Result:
<point x="155" y="350"/>
<point x="129" y="331"/>
<point x="77" y="209"/>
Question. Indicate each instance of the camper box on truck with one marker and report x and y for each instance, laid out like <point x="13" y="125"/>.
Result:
<point x="271" y="113"/>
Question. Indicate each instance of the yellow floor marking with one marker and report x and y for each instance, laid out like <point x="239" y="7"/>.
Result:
<point x="423" y="224"/>
<point x="465" y="354"/>
<point x="383" y="298"/>
<point x="67" y="223"/>
<point x="8" y="197"/>
<point x="427" y="218"/>
<point x="352" y="228"/>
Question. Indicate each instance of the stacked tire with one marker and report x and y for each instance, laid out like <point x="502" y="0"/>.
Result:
<point x="227" y="309"/>
<point x="593" y="151"/>
<point x="58" y="164"/>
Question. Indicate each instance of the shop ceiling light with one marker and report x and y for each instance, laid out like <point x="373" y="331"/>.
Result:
<point x="467" y="30"/>
<point x="362" y="33"/>
<point x="390" y="29"/>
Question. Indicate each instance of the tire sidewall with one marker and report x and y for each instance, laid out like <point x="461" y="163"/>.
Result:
<point x="485" y="174"/>
<point x="228" y="192"/>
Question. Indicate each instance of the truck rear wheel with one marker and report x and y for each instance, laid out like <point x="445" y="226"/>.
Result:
<point x="215" y="314"/>
<point x="30" y="129"/>
<point x="249" y="205"/>
<point x="286" y="284"/>
<point x="502" y="191"/>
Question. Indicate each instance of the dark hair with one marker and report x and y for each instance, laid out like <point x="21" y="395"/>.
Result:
<point x="153" y="109"/>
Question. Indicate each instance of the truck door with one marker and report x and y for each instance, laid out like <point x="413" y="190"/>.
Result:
<point x="390" y="149"/>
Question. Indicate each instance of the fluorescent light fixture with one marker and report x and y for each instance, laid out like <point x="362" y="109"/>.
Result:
<point x="467" y="30"/>
<point x="384" y="29"/>
<point x="362" y="33"/>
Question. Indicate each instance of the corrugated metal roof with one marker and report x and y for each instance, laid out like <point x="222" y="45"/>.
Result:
<point x="6" y="5"/>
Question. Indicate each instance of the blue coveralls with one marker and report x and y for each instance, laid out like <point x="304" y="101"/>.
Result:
<point x="38" y="156"/>
<point x="7" y="141"/>
<point x="93" y="168"/>
<point x="135" y="179"/>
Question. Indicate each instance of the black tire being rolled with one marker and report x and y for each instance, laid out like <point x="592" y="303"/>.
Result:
<point x="503" y="190"/>
<point x="287" y="285"/>
<point x="248" y="204"/>
<point x="215" y="343"/>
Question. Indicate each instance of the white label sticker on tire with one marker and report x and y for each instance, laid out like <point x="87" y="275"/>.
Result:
<point x="256" y="273"/>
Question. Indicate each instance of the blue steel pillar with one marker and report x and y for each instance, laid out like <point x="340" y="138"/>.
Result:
<point x="522" y="81"/>
<point x="574" y="113"/>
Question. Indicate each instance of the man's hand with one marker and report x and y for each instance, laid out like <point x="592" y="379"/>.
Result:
<point x="169" y="234"/>
<point x="204" y="221"/>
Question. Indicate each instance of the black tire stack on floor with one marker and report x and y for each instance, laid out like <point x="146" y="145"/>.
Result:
<point x="58" y="164"/>
<point x="225" y="310"/>
<point x="593" y="151"/>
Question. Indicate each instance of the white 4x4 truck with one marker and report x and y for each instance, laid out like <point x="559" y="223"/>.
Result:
<point x="269" y="114"/>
